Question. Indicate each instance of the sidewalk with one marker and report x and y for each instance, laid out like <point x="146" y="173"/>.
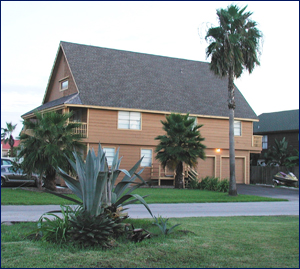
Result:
<point x="33" y="213"/>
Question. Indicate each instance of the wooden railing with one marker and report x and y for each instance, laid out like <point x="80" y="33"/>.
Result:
<point x="82" y="129"/>
<point x="158" y="173"/>
<point x="257" y="141"/>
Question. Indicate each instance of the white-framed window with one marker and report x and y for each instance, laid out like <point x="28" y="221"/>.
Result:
<point x="264" y="142"/>
<point x="110" y="154"/>
<point x="64" y="85"/>
<point x="147" y="160"/>
<point x="237" y="128"/>
<point x="129" y="120"/>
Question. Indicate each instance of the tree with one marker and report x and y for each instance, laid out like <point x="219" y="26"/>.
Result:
<point x="7" y="137"/>
<point x="181" y="144"/>
<point x="233" y="47"/>
<point x="279" y="153"/>
<point x="45" y="144"/>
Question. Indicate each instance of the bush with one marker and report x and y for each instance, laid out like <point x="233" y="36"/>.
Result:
<point x="193" y="183"/>
<point x="213" y="184"/>
<point x="223" y="185"/>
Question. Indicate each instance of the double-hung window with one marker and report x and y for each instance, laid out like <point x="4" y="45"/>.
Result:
<point x="237" y="128"/>
<point x="110" y="154"/>
<point x="129" y="120"/>
<point x="147" y="160"/>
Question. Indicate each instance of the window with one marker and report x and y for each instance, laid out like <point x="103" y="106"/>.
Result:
<point x="64" y="85"/>
<point x="110" y="154"/>
<point x="147" y="160"/>
<point x="265" y="142"/>
<point x="237" y="128"/>
<point x="129" y="120"/>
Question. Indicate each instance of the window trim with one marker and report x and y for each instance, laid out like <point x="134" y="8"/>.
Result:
<point x="63" y="80"/>
<point x="131" y="129"/>
<point x="240" y="128"/>
<point x="114" y="148"/>
<point x="263" y="142"/>
<point x="151" y="159"/>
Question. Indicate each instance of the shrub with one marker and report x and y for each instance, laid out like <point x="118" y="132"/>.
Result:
<point x="56" y="229"/>
<point x="100" y="217"/>
<point x="193" y="183"/>
<point x="223" y="185"/>
<point x="162" y="225"/>
<point x="214" y="184"/>
<point x="203" y="183"/>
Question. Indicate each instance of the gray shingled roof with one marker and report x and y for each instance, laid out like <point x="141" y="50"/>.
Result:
<point x="70" y="99"/>
<point x="123" y="79"/>
<point x="277" y="121"/>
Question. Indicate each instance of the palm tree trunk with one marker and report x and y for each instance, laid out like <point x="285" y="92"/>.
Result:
<point x="50" y="181"/>
<point x="231" y="106"/>
<point x="11" y="143"/>
<point x="179" y="176"/>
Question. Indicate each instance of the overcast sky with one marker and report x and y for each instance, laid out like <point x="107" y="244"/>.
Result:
<point x="31" y="32"/>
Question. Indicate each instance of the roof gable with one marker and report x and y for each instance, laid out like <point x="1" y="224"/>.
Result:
<point x="277" y="121"/>
<point x="122" y="79"/>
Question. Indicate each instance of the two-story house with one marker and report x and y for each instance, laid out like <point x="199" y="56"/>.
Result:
<point x="120" y="97"/>
<point x="275" y="126"/>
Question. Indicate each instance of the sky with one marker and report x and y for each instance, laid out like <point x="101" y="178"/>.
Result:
<point x="31" y="32"/>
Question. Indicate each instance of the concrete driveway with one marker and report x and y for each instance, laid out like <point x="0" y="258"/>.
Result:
<point x="291" y="207"/>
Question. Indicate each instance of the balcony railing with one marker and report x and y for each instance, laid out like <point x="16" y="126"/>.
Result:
<point x="82" y="129"/>
<point x="257" y="141"/>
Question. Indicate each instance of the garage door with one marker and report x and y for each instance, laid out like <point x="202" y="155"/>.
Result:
<point x="239" y="169"/>
<point x="206" y="167"/>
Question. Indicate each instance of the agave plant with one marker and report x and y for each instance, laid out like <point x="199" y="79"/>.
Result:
<point x="95" y="184"/>
<point x="162" y="225"/>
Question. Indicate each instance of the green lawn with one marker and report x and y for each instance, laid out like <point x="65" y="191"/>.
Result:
<point x="16" y="196"/>
<point x="226" y="242"/>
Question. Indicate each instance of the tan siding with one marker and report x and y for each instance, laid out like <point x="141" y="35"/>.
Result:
<point x="206" y="167"/>
<point x="102" y="127"/>
<point x="60" y="71"/>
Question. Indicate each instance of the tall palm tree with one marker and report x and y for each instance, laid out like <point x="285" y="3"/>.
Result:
<point x="7" y="137"/>
<point x="181" y="144"/>
<point x="45" y="144"/>
<point x="233" y="47"/>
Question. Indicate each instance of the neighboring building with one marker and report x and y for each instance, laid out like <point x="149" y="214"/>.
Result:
<point x="277" y="125"/>
<point x="120" y="97"/>
<point x="5" y="148"/>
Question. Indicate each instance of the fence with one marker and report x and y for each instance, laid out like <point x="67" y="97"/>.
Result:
<point x="264" y="174"/>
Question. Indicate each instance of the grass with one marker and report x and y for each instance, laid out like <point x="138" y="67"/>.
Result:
<point x="16" y="196"/>
<point x="213" y="242"/>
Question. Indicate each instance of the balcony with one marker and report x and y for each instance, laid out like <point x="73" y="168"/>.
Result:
<point x="257" y="141"/>
<point x="81" y="130"/>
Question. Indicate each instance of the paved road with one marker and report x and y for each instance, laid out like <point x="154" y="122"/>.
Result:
<point x="291" y="207"/>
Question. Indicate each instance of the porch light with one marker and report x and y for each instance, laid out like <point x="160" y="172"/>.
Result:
<point x="218" y="150"/>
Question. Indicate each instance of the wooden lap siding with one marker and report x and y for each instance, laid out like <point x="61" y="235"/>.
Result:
<point x="103" y="128"/>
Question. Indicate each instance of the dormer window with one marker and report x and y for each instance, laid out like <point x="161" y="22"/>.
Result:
<point x="64" y="84"/>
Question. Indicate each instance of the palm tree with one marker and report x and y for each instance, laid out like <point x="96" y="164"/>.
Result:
<point x="7" y="137"/>
<point x="233" y="47"/>
<point x="181" y="144"/>
<point x="45" y="144"/>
